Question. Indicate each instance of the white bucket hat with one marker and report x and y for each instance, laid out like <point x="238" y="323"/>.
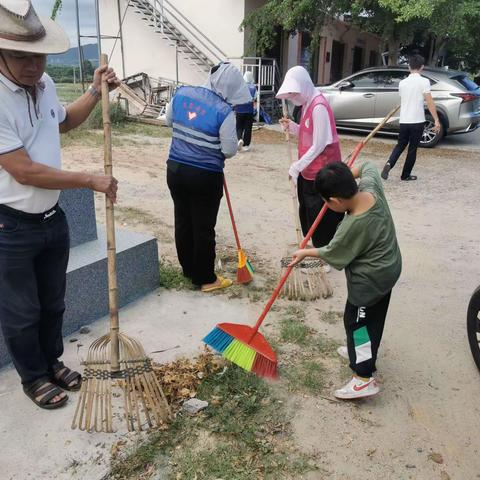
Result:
<point x="21" y="29"/>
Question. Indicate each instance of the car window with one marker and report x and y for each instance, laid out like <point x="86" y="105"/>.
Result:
<point x="392" y="79"/>
<point x="431" y="80"/>
<point x="367" y="80"/>
<point x="465" y="82"/>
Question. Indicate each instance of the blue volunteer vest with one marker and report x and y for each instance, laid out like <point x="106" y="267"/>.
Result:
<point x="248" y="107"/>
<point x="197" y="115"/>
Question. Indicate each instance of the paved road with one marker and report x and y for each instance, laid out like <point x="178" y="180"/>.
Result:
<point x="467" y="141"/>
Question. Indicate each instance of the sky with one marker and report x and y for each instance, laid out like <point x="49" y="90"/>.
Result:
<point x="66" y="17"/>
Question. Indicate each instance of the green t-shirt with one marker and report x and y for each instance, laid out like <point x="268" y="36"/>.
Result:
<point x="366" y="246"/>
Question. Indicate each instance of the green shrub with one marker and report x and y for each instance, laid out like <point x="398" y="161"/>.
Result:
<point x="118" y="116"/>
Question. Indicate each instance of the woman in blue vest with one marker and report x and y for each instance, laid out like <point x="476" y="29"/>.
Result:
<point x="204" y="135"/>
<point x="244" y="114"/>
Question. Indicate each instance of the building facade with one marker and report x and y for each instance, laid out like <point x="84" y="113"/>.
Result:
<point x="179" y="40"/>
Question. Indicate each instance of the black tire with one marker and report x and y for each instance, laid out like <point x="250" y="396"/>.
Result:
<point x="473" y="326"/>
<point x="429" y="137"/>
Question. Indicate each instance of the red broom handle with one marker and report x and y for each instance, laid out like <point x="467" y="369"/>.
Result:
<point x="350" y="161"/>
<point x="230" y="209"/>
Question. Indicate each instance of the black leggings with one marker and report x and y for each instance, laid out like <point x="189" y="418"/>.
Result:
<point x="244" y="127"/>
<point x="364" y="328"/>
<point x="310" y="204"/>
<point x="196" y="195"/>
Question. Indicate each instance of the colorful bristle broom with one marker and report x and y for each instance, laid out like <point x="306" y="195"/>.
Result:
<point x="244" y="268"/>
<point x="245" y="346"/>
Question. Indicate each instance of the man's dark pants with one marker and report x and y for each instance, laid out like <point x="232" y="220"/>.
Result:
<point x="410" y="134"/>
<point x="34" y="252"/>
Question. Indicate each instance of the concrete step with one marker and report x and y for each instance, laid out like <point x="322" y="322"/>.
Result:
<point x="87" y="291"/>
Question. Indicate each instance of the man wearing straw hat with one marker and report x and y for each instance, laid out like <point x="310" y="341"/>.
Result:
<point x="34" y="237"/>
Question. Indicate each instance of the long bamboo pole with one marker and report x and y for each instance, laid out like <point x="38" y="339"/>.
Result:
<point x="110" y="218"/>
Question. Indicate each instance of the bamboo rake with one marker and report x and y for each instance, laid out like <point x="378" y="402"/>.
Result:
<point x="117" y="366"/>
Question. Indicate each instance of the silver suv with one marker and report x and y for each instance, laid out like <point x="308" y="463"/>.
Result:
<point x="362" y="100"/>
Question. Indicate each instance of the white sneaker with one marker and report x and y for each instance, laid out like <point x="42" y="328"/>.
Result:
<point x="240" y="145"/>
<point x="343" y="352"/>
<point x="357" y="388"/>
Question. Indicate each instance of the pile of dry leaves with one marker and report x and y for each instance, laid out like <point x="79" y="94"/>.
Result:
<point x="181" y="378"/>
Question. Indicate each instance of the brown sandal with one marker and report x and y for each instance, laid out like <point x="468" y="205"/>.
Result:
<point x="43" y="388"/>
<point x="65" y="378"/>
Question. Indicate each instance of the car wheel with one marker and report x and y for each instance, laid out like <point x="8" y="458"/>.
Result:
<point x="429" y="137"/>
<point x="473" y="325"/>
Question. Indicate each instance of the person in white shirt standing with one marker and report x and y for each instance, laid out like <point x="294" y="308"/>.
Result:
<point x="414" y="92"/>
<point x="34" y="236"/>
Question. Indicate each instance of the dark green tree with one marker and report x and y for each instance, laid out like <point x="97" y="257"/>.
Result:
<point x="57" y="6"/>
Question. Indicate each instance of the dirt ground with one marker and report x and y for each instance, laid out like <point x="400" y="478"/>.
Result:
<point x="425" y="422"/>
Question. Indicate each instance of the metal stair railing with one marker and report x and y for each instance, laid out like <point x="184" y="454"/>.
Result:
<point x="176" y="27"/>
<point x="162" y="25"/>
<point x="267" y="80"/>
<point x="182" y="22"/>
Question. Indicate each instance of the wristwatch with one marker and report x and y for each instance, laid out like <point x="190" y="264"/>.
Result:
<point x="94" y="92"/>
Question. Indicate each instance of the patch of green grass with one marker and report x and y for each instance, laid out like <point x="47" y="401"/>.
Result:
<point x="144" y="129"/>
<point x="242" y="435"/>
<point x="171" y="277"/>
<point x="294" y="331"/>
<point x="331" y="317"/>
<point x="306" y="375"/>
<point x="82" y="136"/>
<point x="68" y="92"/>
<point x="85" y="135"/>
<point x="323" y="345"/>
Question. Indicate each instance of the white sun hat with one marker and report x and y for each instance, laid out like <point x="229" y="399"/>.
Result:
<point x="22" y="30"/>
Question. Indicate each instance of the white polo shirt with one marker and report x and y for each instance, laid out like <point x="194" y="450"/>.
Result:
<point x="37" y="132"/>
<point x="412" y="89"/>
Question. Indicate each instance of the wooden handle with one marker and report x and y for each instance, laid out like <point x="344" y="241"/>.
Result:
<point x="293" y="188"/>
<point x="349" y="161"/>
<point x="110" y="217"/>
<point x="230" y="211"/>
<point x="380" y="125"/>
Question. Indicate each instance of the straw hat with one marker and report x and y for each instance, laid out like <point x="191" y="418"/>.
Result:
<point x="21" y="29"/>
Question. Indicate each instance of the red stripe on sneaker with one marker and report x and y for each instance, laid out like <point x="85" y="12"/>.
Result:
<point x="361" y="387"/>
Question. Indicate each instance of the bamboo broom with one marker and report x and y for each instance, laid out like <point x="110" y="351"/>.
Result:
<point x="116" y="366"/>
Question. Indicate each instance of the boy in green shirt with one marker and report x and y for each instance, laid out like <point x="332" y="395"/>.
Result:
<point x="365" y="245"/>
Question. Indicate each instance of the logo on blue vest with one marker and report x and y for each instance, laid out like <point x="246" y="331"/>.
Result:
<point x="52" y="113"/>
<point x="193" y="111"/>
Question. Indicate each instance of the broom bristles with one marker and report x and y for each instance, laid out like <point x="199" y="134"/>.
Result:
<point x="264" y="367"/>
<point x="218" y="339"/>
<point x="144" y="402"/>
<point x="244" y="269"/>
<point x="241" y="354"/>
<point x="244" y="275"/>
<point x="307" y="281"/>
